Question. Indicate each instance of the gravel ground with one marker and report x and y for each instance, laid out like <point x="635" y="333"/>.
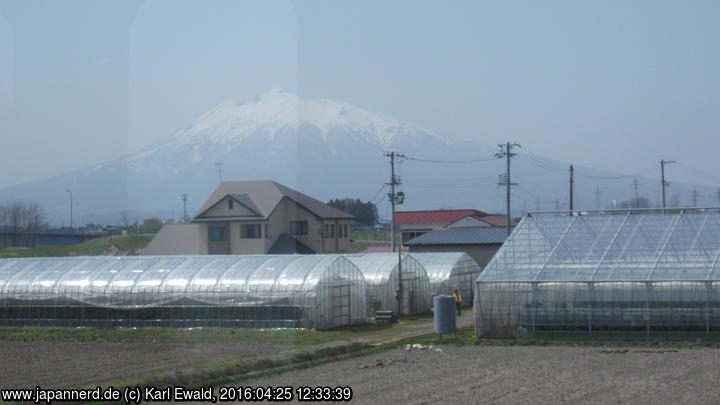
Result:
<point x="75" y="364"/>
<point x="520" y="374"/>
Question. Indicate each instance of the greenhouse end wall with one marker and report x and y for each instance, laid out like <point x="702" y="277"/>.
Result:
<point x="381" y="275"/>
<point x="450" y="271"/>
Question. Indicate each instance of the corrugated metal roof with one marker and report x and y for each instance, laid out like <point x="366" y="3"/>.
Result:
<point x="475" y="236"/>
<point x="286" y="244"/>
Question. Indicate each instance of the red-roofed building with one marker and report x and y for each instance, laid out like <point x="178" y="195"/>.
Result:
<point x="415" y="223"/>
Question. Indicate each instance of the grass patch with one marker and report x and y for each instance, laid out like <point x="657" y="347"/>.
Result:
<point x="300" y="337"/>
<point x="94" y="247"/>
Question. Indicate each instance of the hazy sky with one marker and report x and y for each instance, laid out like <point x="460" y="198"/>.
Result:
<point x="615" y="85"/>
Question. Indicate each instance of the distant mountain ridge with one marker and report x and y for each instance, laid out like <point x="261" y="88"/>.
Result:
<point x="326" y="149"/>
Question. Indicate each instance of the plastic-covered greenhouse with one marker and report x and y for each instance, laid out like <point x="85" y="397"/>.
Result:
<point x="381" y="275"/>
<point x="313" y="291"/>
<point x="611" y="274"/>
<point x="450" y="271"/>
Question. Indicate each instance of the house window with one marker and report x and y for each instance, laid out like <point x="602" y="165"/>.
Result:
<point x="250" y="231"/>
<point x="332" y="231"/>
<point x="216" y="233"/>
<point x="406" y="236"/>
<point x="327" y="231"/>
<point x="230" y="204"/>
<point x="345" y="230"/>
<point x="298" y="228"/>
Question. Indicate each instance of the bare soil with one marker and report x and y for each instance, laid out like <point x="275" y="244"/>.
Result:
<point x="520" y="374"/>
<point x="59" y="364"/>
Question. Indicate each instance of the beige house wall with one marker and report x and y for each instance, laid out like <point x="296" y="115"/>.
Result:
<point x="279" y="223"/>
<point x="336" y="244"/>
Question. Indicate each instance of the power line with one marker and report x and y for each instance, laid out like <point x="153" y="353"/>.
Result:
<point x="372" y="200"/>
<point x="697" y="172"/>
<point x="471" y="160"/>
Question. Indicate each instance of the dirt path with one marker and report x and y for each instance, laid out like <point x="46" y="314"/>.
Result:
<point x="517" y="375"/>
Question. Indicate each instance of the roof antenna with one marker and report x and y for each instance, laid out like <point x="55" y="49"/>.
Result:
<point x="218" y="166"/>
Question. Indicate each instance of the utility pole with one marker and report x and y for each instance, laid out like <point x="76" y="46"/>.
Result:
<point x="695" y="197"/>
<point x="662" y="178"/>
<point x="184" y="199"/>
<point x="635" y="187"/>
<point x="396" y="198"/>
<point x="507" y="153"/>
<point x="572" y="175"/>
<point x="597" y="198"/>
<point x="71" y="207"/>
<point x="218" y="167"/>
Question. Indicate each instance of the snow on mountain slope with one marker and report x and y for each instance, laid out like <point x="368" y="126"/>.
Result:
<point x="230" y="123"/>
<point x="327" y="149"/>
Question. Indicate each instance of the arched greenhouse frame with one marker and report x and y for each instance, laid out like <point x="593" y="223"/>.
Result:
<point x="450" y="271"/>
<point x="288" y="291"/>
<point x="381" y="275"/>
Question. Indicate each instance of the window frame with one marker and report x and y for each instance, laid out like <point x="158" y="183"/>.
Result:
<point x="257" y="234"/>
<point x="301" y="230"/>
<point x="223" y="236"/>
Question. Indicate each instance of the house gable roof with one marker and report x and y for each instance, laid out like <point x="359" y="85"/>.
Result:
<point x="263" y="197"/>
<point x="468" y="222"/>
<point x="497" y="220"/>
<point x="243" y="199"/>
<point x="484" y="221"/>
<point x="435" y="216"/>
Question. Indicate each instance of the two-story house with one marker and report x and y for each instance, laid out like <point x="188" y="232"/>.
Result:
<point x="259" y="217"/>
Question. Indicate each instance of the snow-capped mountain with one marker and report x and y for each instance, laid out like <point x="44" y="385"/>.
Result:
<point x="327" y="149"/>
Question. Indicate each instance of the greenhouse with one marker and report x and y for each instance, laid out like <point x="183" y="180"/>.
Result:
<point x="381" y="275"/>
<point x="450" y="271"/>
<point x="619" y="274"/>
<point x="288" y="291"/>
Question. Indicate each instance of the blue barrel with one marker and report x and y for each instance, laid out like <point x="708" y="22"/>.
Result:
<point x="444" y="314"/>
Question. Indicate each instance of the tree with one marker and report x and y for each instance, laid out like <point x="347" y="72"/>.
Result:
<point x="22" y="220"/>
<point x="364" y="212"/>
<point x="639" y="202"/>
<point x="151" y="225"/>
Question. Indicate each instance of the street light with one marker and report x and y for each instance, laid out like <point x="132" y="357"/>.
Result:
<point x="71" y="207"/>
